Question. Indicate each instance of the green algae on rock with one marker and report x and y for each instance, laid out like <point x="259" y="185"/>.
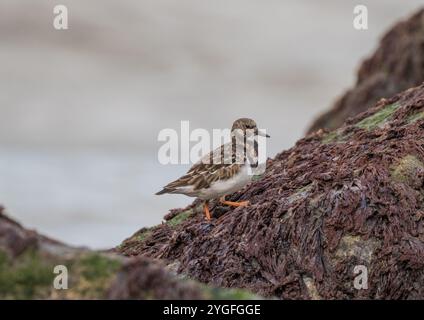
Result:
<point x="379" y="118"/>
<point x="335" y="136"/>
<point x="180" y="217"/>
<point x="415" y="117"/>
<point x="26" y="277"/>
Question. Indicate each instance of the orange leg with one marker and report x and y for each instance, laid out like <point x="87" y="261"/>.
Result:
<point x="234" y="204"/>
<point x="206" y="209"/>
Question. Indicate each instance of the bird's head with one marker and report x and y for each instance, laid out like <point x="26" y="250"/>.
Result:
<point x="244" y="124"/>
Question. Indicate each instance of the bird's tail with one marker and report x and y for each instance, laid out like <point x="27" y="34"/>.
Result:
<point x="162" y="192"/>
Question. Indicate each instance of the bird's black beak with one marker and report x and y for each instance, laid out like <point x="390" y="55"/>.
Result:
<point x="263" y="134"/>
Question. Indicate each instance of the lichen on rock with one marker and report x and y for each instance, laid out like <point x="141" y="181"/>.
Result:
<point x="355" y="246"/>
<point x="408" y="170"/>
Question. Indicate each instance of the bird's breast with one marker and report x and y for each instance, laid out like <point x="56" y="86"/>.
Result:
<point x="223" y="187"/>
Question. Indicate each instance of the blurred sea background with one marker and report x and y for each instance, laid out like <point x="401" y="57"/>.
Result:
<point x="81" y="109"/>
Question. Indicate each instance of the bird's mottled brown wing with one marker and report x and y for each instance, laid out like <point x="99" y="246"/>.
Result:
<point x="220" y="164"/>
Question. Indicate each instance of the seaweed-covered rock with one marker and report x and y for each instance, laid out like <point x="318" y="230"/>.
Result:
<point x="397" y="64"/>
<point x="336" y="200"/>
<point x="28" y="260"/>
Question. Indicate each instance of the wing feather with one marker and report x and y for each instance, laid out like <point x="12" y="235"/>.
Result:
<point x="219" y="164"/>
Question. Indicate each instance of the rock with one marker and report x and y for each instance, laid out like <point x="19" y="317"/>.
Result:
<point x="397" y="64"/>
<point x="27" y="261"/>
<point x="335" y="201"/>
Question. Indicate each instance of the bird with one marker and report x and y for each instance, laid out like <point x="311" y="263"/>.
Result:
<point x="224" y="170"/>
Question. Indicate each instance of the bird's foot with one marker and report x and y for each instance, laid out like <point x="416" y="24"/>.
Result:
<point x="234" y="204"/>
<point x="207" y="212"/>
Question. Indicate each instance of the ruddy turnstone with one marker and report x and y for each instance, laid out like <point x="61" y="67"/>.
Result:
<point x="224" y="170"/>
